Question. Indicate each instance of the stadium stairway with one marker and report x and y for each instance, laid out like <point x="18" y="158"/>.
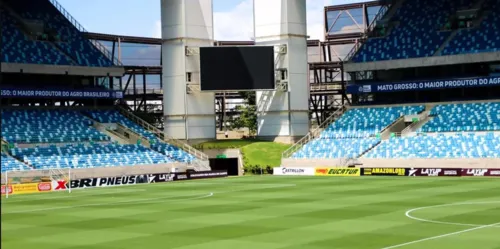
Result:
<point x="314" y="134"/>
<point x="477" y="124"/>
<point x="137" y="129"/>
<point x="9" y="163"/>
<point x="453" y="34"/>
<point x="392" y="10"/>
<point x="113" y="133"/>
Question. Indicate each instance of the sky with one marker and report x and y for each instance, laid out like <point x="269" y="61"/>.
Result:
<point x="233" y="19"/>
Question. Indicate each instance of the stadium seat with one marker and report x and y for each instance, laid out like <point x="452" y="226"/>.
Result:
<point x="43" y="126"/>
<point x="439" y="146"/>
<point x="365" y="122"/>
<point x="89" y="156"/>
<point x="413" y="35"/>
<point x="484" y="38"/>
<point x="72" y="42"/>
<point x="10" y="164"/>
<point x="354" y="132"/>
<point x="464" y="117"/>
<point x="18" y="48"/>
<point x="112" y="116"/>
<point x="173" y="152"/>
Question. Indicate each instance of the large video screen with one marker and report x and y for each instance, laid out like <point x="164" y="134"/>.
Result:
<point x="237" y="68"/>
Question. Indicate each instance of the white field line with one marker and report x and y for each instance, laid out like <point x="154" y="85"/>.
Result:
<point x="198" y="182"/>
<point x="442" y="236"/>
<point x="69" y="195"/>
<point x="148" y="200"/>
<point x="409" y="213"/>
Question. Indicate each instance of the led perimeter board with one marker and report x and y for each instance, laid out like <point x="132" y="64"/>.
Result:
<point x="237" y="68"/>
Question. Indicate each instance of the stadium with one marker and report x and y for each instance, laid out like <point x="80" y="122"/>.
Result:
<point x="383" y="134"/>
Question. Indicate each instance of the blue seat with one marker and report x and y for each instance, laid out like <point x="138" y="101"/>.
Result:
<point x="485" y="38"/>
<point x="416" y="32"/>
<point x="171" y="151"/>
<point x="464" y="117"/>
<point x="439" y="146"/>
<point x="89" y="156"/>
<point x="365" y="122"/>
<point x="43" y="126"/>
<point x="18" y="48"/>
<point x="80" y="50"/>
<point x="354" y="132"/>
<point x="11" y="164"/>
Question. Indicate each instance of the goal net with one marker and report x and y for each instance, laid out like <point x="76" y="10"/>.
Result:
<point x="35" y="181"/>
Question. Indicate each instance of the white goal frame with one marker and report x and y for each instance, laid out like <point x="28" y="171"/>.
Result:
<point x="54" y="175"/>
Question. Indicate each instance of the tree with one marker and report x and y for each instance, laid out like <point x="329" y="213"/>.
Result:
<point x="246" y="119"/>
<point x="248" y="114"/>
<point x="249" y="97"/>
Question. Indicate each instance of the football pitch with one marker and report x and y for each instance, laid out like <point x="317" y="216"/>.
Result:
<point x="262" y="212"/>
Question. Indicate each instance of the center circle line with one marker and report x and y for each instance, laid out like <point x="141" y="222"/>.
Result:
<point x="409" y="213"/>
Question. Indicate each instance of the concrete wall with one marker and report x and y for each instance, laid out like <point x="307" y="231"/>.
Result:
<point x="101" y="172"/>
<point x="186" y="25"/>
<point x="283" y="23"/>
<point x="398" y="163"/>
<point x="423" y="62"/>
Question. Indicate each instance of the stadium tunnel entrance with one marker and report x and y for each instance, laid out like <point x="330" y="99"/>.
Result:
<point x="229" y="164"/>
<point x="226" y="159"/>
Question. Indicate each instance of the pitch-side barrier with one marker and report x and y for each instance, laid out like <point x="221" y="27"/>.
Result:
<point x="329" y="171"/>
<point x="65" y="184"/>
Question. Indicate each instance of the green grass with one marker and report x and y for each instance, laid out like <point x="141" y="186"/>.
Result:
<point x="264" y="153"/>
<point x="259" y="212"/>
<point x="255" y="152"/>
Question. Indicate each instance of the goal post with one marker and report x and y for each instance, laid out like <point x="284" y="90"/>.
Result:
<point x="35" y="181"/>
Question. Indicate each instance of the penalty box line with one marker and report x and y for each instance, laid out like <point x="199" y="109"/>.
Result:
<point x="442" y="236"/>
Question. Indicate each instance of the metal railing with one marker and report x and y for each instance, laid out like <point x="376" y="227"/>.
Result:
<point x="423" y="118"/>
<point x="325" y="87"/>
<point x="141" y="91"/>
<point x="314" y="133"/>
<point x="381" y="13"/>
<point x="80" y="28"/>
<point x="202" y="157"/>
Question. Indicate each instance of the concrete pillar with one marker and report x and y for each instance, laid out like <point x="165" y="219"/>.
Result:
<point x="186" y="26"/>
<point x="283" y="22"/>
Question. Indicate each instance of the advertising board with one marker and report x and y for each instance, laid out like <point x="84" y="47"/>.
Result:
<point x="384" y="171"/>
<point x="206" y="174"/>
<point x="293" y="171"/>
<point x="134" y="179"/>
<point x="27" y="188"/>
<point x="434" y="172"/>
<point x="337" y="172"/>
<point x="58" y="93"/>
<point x="99" y="182"/>
<point x="481" y="172"/>
<point x="424" y="85"/>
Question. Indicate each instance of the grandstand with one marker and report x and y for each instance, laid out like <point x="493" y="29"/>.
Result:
<point x="433" y="107"/>
<point x="404" y="35"/>
<point x="411" y="94"/>
<point x="59" y="100"/>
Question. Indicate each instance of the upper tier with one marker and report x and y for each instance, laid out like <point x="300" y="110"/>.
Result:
<point x="418" y="32"/>
<point x="21" y="46"/>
